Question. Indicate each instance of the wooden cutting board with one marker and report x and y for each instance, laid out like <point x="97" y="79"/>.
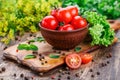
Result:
<point x="44" y="49"/>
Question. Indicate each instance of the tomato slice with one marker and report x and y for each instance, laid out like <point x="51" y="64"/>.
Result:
<point x="86" y="58"/>
<point x="73" y="61"/>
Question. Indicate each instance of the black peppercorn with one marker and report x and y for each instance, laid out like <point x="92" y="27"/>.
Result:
<point x="68" y="77"/>
<point x="92" y="75"/>
<point x="3" y="69"/>
<point x="14" y="74"/>
<point x="77" y="74"/>
<point x="26" y="78"/>
<point x="91" y="70"/>
<point x="45" y="61"/>
<point x="98" y="73"/>
<point x="22" y="75"/>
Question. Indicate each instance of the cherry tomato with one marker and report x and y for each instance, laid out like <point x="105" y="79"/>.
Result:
<point x="73" y="61"/>
<point x="86" y="58"/>
<point x="54" y="12"/>
<point x="79" y="22"/>
<point x="50" y="22"/>
<point x="73" y="10"/>
<point x="67" y="27"/>
<point x="63" y="15"/>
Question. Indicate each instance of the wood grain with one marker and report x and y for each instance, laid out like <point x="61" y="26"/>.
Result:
<point x="109" y="72"/>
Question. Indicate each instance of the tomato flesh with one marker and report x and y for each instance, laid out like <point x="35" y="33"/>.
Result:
<point x="73" y="61"/>
<point x="86" y="58"/>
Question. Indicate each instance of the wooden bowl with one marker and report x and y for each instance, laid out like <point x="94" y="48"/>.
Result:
<point x="64" y="39"/>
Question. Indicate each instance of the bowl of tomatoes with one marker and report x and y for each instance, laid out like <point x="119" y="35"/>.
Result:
<point x="64" y="28"/>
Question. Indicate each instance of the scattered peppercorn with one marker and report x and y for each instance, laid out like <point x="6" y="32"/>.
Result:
<point x="5" y="48"/>
<point x="26" y="78"/>
<point x="92" y="75"/>
<point x="68" y="77"/>
<point x="68" y="73"/>
<point x="40" y="55"/>
<point x="63" y="54"/>
<point x="16" y="38"/>
<point x="92" y="60"/>
<point x="98" y="73"/>
<point x="30" y="35"/>
<point x="3" y="69"/>
<point x="81" y="71"/>
<point x="22" y="75"/>
<point x="105" y="64"/>
<point x="91" y="70"/>
<point x="45" y="61"/>
<point x="59" y="75"/>
<point x="14" y="74"/>
<point x="0" y="71"/>
<point x="108" y="62"/>
<point x="59" y="79"/>
<point x="77" y="74"/>
<point x="1" y="79"/>
<point x="35" y="52"/>
<point x="42" y="63"/>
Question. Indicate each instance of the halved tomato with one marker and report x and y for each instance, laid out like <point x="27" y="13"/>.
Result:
<point x="73" y="61"/>
<point x="86" y="58"/>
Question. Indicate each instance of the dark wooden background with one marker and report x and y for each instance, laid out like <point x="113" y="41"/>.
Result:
<point x="105" y="66"/>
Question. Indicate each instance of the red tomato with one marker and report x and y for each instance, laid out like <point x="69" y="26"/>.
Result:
<point x="73" y="10"/>
<point x="64" y="15"/>
<point x="73" y="61"/>
<point x="54" y="12"/>
<point x="79" y="22"/>
<point x="50" y="22"/>
<point x="86" y="58"/>
<point x="67" y="27"/>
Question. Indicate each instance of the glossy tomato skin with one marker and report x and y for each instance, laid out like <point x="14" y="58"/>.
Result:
<point x="54" y="12"/>
<point x="49" y="22"/>
<point x="79" y="22"/>
<point x="67" y="27"/>
<point x="86" y="58"/>
<point x="73" y="10"/>
<point x="73" y="61"/>
<point x="63" y="15"/>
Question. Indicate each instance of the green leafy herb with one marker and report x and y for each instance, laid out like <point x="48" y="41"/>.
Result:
<point x="20" y="16"/>
<point x="27" y="47"/>
<point x="54" y="55"/>
<point x="37" y="39"/>
<point x="77" y="49"/>
<point x="99" y="29"/>
<point x="109" y="8"/>
<point x="30" y="56"/>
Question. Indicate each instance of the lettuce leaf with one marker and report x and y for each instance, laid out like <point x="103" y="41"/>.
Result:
<point x="99" y="29"/>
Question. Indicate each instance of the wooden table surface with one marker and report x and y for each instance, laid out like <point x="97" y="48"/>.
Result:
<point x="105" y="66"/>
